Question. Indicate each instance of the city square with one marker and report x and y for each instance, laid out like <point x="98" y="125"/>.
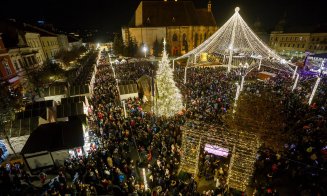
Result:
<point x="177" y="102"/>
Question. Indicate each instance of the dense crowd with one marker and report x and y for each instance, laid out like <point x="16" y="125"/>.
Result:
<point x="127" y="149"/>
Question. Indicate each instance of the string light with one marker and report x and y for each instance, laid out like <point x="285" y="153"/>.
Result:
<point x="235" y="39"/>
<point x="144" y="179"/>
<point x="243" y="145"/>
<point x="169" y="98"/>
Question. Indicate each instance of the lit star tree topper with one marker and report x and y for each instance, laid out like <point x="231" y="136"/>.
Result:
<point x="169" y="98"/>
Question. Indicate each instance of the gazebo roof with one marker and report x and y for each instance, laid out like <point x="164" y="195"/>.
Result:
<point x="236" y="36"/>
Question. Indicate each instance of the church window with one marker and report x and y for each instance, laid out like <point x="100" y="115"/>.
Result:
<point x="175" y="38"/>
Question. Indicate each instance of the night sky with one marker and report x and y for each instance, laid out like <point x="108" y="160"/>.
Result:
<point x="110" y="15"/>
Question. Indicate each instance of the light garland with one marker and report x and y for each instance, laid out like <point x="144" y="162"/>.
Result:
<point x="242" y="144"/>
<point x="236" y="42"/>
<point x="146" y="187"/>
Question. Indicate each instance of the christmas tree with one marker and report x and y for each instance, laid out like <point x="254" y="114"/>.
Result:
<point x="169" y="98"/>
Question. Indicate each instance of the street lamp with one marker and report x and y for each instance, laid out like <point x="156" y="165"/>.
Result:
<point x="145" y="49"/>
<point x="320" y="75"/>
<point x="243" y="72"/>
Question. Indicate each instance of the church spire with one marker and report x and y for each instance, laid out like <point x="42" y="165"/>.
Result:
<point x="209" y="6"/>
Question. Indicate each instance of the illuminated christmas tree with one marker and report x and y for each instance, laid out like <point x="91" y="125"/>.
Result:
<point x="169" y="98"/>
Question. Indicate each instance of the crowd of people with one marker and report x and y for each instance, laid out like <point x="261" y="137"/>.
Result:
<point x="302" y="160"/>
<point x="141" y="154"/>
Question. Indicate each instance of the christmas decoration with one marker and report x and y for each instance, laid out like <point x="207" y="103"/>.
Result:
<point x="235" y="44"/>
<point x="168" y="97"/>
<point x="242" y="145"/>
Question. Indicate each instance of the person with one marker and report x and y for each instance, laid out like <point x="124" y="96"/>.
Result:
<point x="43" y="177"/>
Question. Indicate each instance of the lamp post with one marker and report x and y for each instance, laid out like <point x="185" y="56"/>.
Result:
<point x="113" y="69"/>
<point x="320" y="74"/>
<point x="124" y="106"/>
<point x="296" y="81"/>
<point x="238" y="87"/>
<point x="260" y="62"/>
<point x="294" y="73"/>
<point x="243" y="72"/>
<point x="145" y="49"/>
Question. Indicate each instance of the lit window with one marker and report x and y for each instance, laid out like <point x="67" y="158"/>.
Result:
<point x="7" y="67"/>
<point x="175" y="39"/>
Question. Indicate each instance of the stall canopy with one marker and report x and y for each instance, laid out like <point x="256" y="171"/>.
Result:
<point x="55" y="136"/>
<point x="71" y="109"/>
<point x="40" y="104"/>
<point x="78" y="90"/>
<point x="54" y="90"/>
<point x="19" y="131"/>
<point x="76" y="99"/>
<point x="128" y="89"/>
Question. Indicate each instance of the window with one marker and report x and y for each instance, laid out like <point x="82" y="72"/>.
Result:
<point x="7" y="67"/>
<point x="298" y="45"/>
<point x="20" y="62"/>
<point x="284" y="44"/>
<point x="30" y="62"/>
<point x="302" y="45"/>
<point x="280" y="45"/>
<point x="196" y="38"/>
<point x="175" y="38"/>
<point x="16" y="65"/>
<point x="205" y="36"/>
<point x="293" y="45"/>
<point x="276" y="39"/>
<point x="185" y="44"/>
<point x="289" y="45"/>
<point x="34" y="60"/>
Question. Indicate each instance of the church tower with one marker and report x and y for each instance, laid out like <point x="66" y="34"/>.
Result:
<point x="209" y="6"/>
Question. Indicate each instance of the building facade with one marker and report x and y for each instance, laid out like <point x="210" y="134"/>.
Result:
<point x="74" y="42"/>
<point x="296" y="44"/>
<point x="33" y="40"/>
<point x="183" y="25"/>
<point x="50" y="46"/>
<point x="63" y="42"/>
<point x="25" y="61"/>
<point x="7" y="70"/>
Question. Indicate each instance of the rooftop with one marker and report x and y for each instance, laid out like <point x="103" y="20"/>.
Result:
<point x="55" y="136"/>
<point x="171" y="13"/>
